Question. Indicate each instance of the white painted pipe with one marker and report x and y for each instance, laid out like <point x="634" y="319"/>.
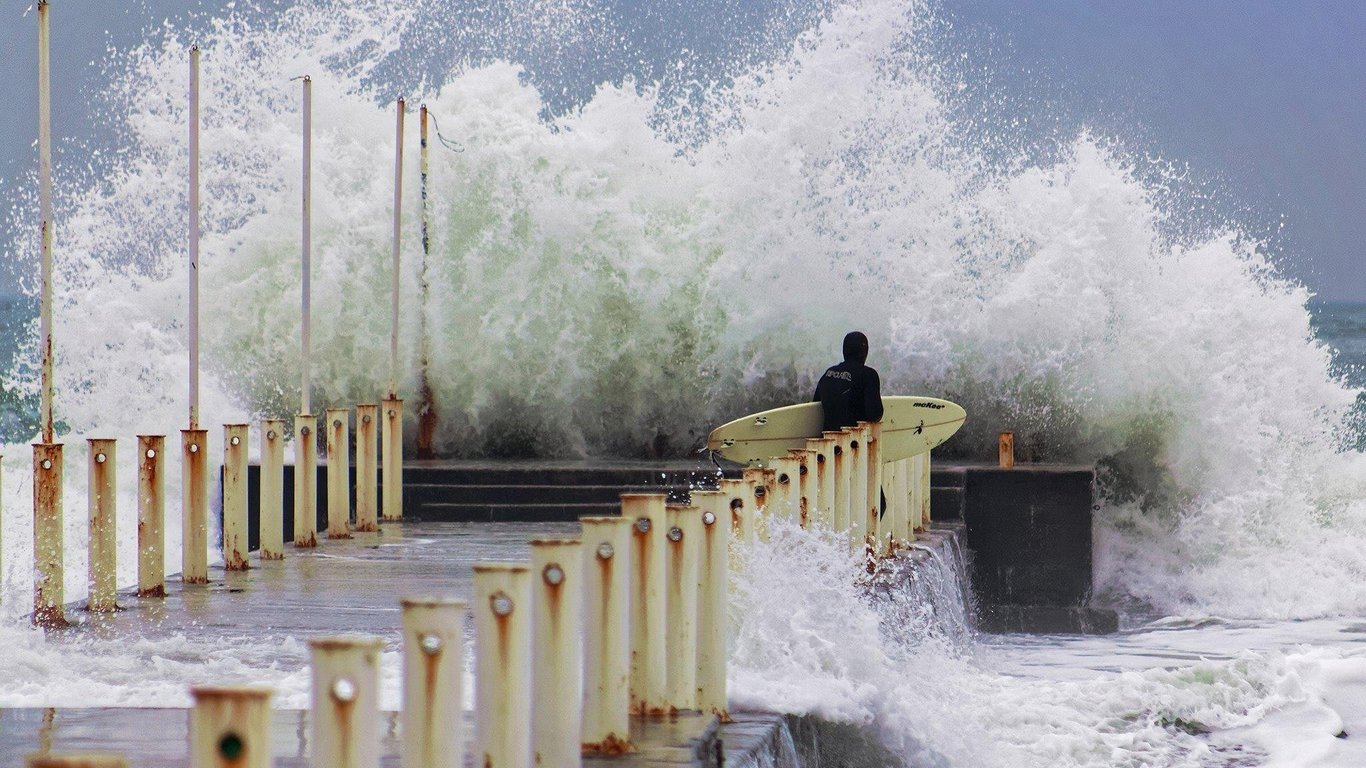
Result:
<point x="787" y="493"/>
<point x="649" y="596"/>
<point x="338" y="473"/>
<point x="194" y="514"/>
<point x="305" y="481"/>
<point x="607" y="640"/>
<point x="685" y="547"/>
<point x="712" y="581"/>
<point x="306" y="220"/>
<point x="367" y="468"/>
<point x="272" y="489"/>
<point x="765" y="482"/>
<point x="742" y="495"/>
<point x="230" y="727"/>
<point x="925" y="491"/>
<point x="873" y="495"/>
<point x="397" y="252"/>
<point x="895" y="521"/>
<point x="433" y="683"/>
<point x="103" y="516"/>
<point x="45" y="215"/>
<point x="502" y="665"/>
<point x="839" y="510"/>
<point x="858" y="486"/>
<point x="557" y="594"/>
<point x="823" y="453"/>
<point x="151" y="516"/>
<point x="236" y="546"/>
<point x="194" y="238"/>
<point x="345" y="701"/>
<point x="914" y="501"/>
<point x="48" y="570"/>
<point x="83" y="760"/>
<point x="391" y="481"/>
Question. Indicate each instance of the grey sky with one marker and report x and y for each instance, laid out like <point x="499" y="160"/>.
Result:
<point x="1264" y="99"/>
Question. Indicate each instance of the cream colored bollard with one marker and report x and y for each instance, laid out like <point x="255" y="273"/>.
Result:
<point x="685" y="544"/>
<point x="103" y="517"/>
<point x="839" y="503"/>
<point x="808" y="484"/>
<point x="433" y="683"/>
<point x="236" y="546"/>
<point x="925" y="493"/>
<point x="649" y="596"/>
<point x="338" y="473"/>
<point x="502" y="665"/>
<point x="556" y="651"/>
<point x="858" y="484"/>
<point x="272" y="489"/>
<point x="823" y="448"/>
<point x="765" y="484"/>
<point x="743" y="500"/>
<point x="83" y="760"/>
<point x="194" y="509"/>
<point x="230" y="727"/>
<point x="606" y="553"/>
<point x="151" y="516"/>
<point x="895" y="520"/>
<point x="915" y="494"/>
<point x="305" y="481"/>
<point x="712" y="580"/>
<point x="48" y="569"/>
<point x="367" y="468"/>
<point x="873" y="498"/>
<point x="345" y="701"/>
<point x="391" y="480"/>
<point x="785" y="501"/>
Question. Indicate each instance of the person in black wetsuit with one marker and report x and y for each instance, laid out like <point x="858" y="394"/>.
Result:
<point x="851" y="391"/>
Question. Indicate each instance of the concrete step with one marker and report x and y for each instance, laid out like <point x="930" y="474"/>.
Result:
<point x="532" y="473"/>
<point x="532" y="494"/>
<point x="509" y="513"/>
<point x="946" y="503"/>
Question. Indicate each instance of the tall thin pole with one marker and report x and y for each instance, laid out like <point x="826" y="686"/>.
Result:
<point x="426" y="413"/>
<point x="194" y="238"/>
<point x="45" y="212"/>
<point x="307" y="240"/>
<point x="393" y="278"/>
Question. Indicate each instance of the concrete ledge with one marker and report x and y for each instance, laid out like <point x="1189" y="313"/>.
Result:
<point x="1047" y="620"/>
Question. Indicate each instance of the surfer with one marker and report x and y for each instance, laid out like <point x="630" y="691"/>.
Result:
<point x="851" y="391"/>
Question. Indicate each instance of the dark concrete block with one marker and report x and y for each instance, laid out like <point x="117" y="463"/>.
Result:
<point x="1047" y="620"/>
<point x="946" y="503"/>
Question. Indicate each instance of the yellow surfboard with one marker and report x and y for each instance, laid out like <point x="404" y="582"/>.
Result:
<point x="910" y="426"/>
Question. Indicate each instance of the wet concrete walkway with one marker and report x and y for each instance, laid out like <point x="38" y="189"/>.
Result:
<point x="351" y="585"/>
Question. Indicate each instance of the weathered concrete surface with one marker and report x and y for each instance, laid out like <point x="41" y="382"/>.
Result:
<point x="347" y="585"/>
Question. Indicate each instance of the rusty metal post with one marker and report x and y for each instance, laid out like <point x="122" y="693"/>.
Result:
<point x="427" y="416"/>
<point x="433" y="683"/>
<point x="397" y="250"/>
<point x="345" y="701"/>
<point x="839" y="510"/>
<point x="230" y="727"/>
<point x="103" y="516"/>
<point x="808" y="484"/>
<point x="685" y="544"/>
<point x="46" y="223"/>
<point x="873" y="496"/>
<point x="858" y="485"/>
<point x="556" y="651"/>
<point x="913" y="493"/>
<point x="742" y="496"/>
<point x="235" y="546"/>
<point x="48" y="571"/>
<point x="192" y="319"/>
<point x="787" y="493"/>
<point x="194" y="509"/>
<point x="607" y="639"/>
<point x="84" y="760"/>
<point x="502" y="665"/>
<point x="305" y="481"/>
<point x="338" y="473"/>
<point x="151" y="516"/>
<point x="1006" y="450"/>
<point x="649" y="569"/>
<point x="824" y="450"/>
<point x="712" y="578"/>
<point x="895" y="521"/>
<point x="905" y="487"/>
<point x="765" y="482"/>
<point x="367" y="468"/>
<point x="925" y="491"/>
<point x="272" y="489"/>
<point x="391" y="481"/>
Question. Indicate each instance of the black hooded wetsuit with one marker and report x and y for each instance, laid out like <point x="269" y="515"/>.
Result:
<point x="849" y="393"/>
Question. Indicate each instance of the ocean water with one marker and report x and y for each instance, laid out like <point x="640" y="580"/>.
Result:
<point x="613" y="272"/>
